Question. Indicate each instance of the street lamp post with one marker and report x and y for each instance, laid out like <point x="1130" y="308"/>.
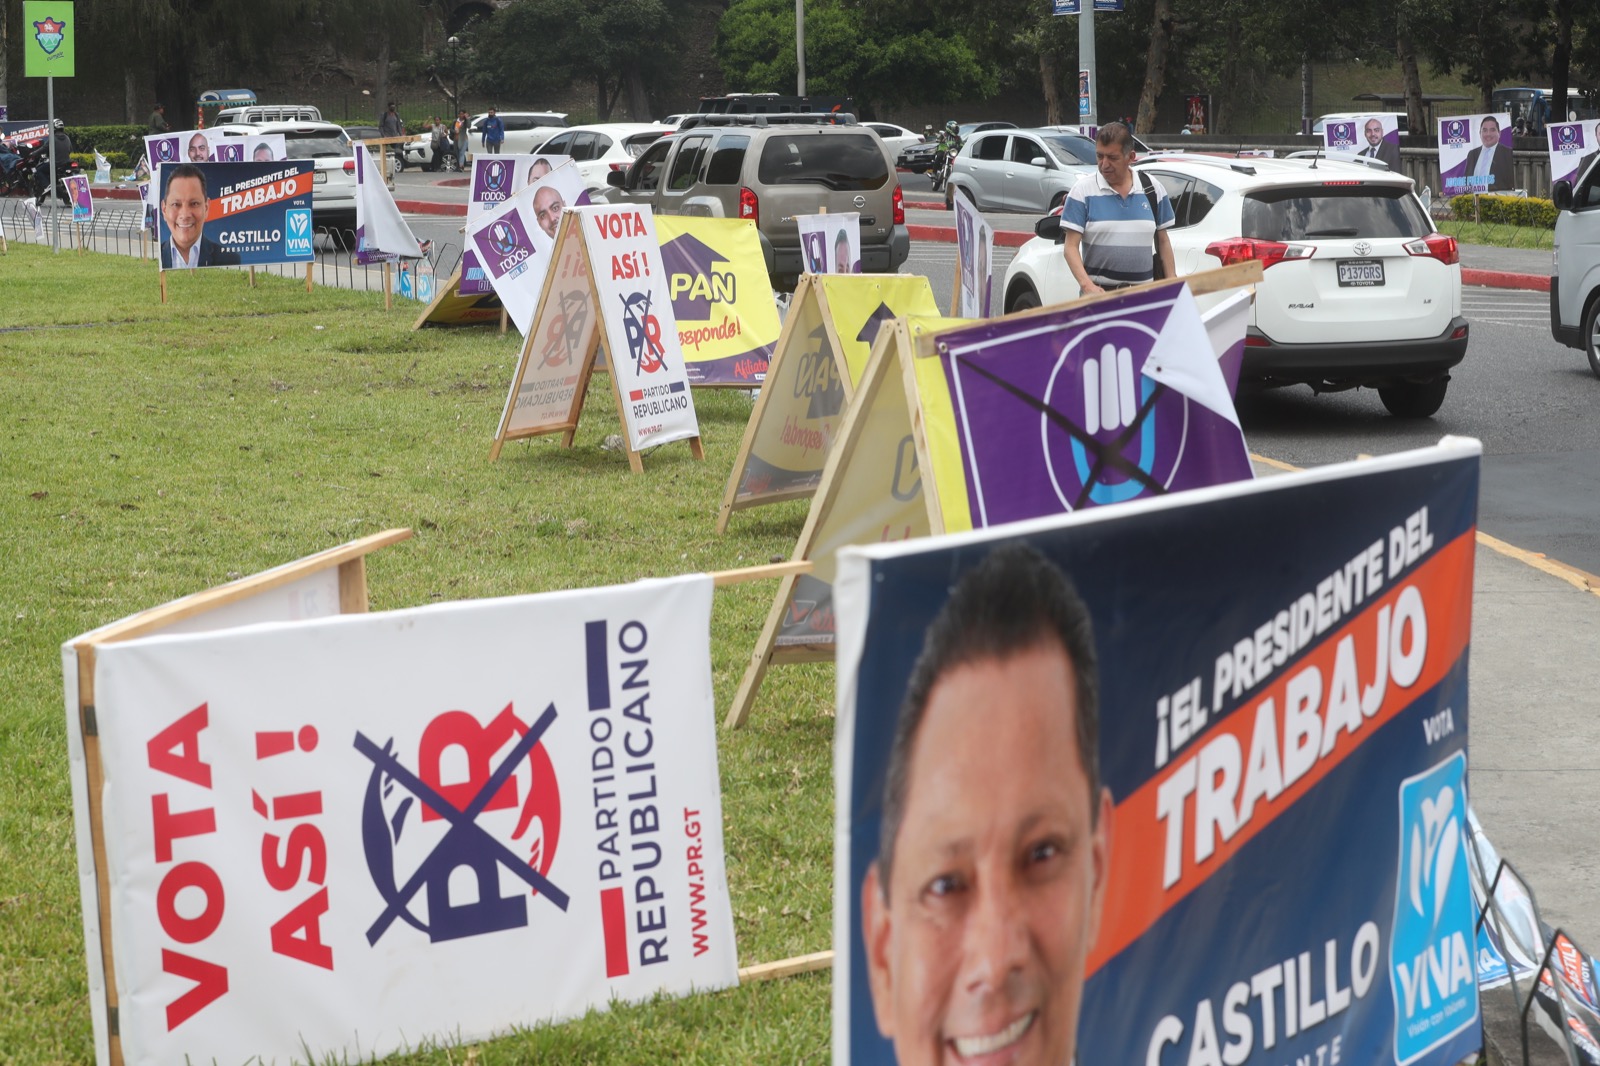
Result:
<point x="455" y="69"/>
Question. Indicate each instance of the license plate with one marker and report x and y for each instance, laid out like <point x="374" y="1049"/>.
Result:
<point x="1360" y="272"/>
<point x="322" y="179"/>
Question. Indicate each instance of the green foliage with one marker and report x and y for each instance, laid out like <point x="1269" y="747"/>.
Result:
<point x="126" y="141"/>
<point x="118" y="160"/>
<point x="1507" y="210"/>
<point x="851" y="50"/>
<point x="154" y="450"/>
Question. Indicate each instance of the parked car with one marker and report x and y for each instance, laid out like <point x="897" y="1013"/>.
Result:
<point x="601" y="148"/>
<point x="328" y="146"/>
<point x="895" y="138"/>
<point x="1358" y="290"/>
<point x="525" y="130"/>
<point x="919" y="157"/>
<point x="769" y="171"/>
<point x="255" y="114"/>
<point x="1575" y="279"/>
<point x="1019" y="170"/>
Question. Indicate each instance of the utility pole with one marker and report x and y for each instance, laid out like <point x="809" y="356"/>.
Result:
<point x="800" y="47"/>
<point x="1086" y="62"/>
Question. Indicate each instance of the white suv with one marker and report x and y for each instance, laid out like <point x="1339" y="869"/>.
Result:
<point x="327" y="145"/>
<point x="525" y="130"/>
<point x="603" y="147"/>
<point x="1575" y="280"/>
<point x="1358" y="288"/>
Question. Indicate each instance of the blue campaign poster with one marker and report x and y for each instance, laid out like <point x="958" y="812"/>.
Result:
<point x="234" y="214"/>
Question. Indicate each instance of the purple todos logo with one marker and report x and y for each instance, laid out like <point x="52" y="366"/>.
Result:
<point x="1341" y="134"/>
<point x="505" y="246"/>
<point x="494" y="175"/>
<point x="1455" y="132"/>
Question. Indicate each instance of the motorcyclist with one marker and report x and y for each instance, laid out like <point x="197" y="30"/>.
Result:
<point x="945" y="146"/>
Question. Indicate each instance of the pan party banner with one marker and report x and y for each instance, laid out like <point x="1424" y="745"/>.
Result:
<point x="721" y="297"/>
<point x="441" y="823"/>
<point x="1264" y="863"/>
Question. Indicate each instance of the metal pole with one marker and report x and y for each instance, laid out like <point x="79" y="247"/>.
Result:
<point x="1086" y="60"/>
<point x="800" y="46"/>
<point x="50" y="182"/>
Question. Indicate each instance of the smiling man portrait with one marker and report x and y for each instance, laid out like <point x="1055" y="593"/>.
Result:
<point x="985" y="898"/>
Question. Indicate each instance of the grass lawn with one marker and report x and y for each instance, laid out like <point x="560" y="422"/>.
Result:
<point x="151" y="451"/>
<point x="1499" y="235"/>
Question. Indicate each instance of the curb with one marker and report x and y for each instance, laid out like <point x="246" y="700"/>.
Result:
<point x="1504" y="279"/>
<point x="430" y="207"/>
<point x="947" y="234"/>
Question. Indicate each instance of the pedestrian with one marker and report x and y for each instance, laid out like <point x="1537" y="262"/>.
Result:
<point x="494" y="133"/>
<point x="390" y="125"/>
<point x="437" y="140"/>
<point x="1116" y="222"/>
<point x="158" y="119"/>
<point x="462" y="125"/>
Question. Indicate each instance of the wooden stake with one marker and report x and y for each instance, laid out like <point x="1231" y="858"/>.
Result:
<point x="308" y="278"/>
<point x="505" y="319"/>
<point x="252" y="277"/>
<point x="163" y="276"/>
<point x="766" y="971"/>
<point x="724" y="578"/>
<point x="388" y="293"/>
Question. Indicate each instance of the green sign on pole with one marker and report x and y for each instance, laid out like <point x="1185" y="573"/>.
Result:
<point x="49" y="39"/>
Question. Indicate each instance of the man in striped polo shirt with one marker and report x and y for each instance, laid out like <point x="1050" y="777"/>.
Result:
<point x="1116" y="221"/>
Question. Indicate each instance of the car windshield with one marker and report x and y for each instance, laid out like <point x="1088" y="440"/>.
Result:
<point x="1069" y="149"/>
<point x="1334" y="210"/>
<point x="319" y="147"/>
<point x="847" y="161"/>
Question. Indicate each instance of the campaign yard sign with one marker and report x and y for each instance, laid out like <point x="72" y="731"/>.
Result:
<point x="512" y="243"/>
<point x="497" y="178"/>
<point x="1277" y="870"/>
<point x="830" y="243"/>
<point x="49" y="39"/>
<point x="721" y="297"/>
<point x="646" y="362"/>
<point x="80" y="195"/>
<point x="233" y="214"/>
<point x="1572" y="148"/>
<point x="974" y="260"/>
<point x="820" y="355"/>
<point x="370" y="849"/>
<point x="1475" y="154"/>
<point x="382" y="235"/>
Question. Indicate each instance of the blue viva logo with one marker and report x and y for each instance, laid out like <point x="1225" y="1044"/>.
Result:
<point x="297" y="232"/>
<point x="1431" y="957"/>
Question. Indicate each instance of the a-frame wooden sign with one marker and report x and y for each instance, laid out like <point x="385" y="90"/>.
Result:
<point x="601" y="278"/>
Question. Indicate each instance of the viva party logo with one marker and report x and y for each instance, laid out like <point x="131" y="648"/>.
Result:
<point x="1431" y="957"/>
<point x="50" y="33"/>
<point x="426" y="827"/>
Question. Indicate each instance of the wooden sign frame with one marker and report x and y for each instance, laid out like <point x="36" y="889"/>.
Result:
<point x="350" y="559"/>
<point x="571" y="229"/>
<point x="899" y="343"/>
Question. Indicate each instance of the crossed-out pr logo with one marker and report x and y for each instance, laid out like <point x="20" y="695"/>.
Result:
<point x="1431" y="957"/>
<point x="1098" y="428"/>
<point x="644" y="333"/>
<point x="297" y="231"/>
<point x="500" y="822"/>
<point x="566" y="330"/>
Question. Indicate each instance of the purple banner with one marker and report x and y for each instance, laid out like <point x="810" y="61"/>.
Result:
<point x="1054" y="413"/>
<point x="1572" y="149"/>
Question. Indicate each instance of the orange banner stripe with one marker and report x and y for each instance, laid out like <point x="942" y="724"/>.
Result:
<point x="245" y="200"/>
<point x="1135" y="899"/>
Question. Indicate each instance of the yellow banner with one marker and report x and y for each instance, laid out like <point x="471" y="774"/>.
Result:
<point x="450" y="308"/>
<point x="857" y="304"/>
<point x="721" y="297"/>
<point x="939" y="426"/>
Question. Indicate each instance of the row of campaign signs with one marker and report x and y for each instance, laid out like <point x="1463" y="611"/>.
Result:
<point x="1475" y="151"/>
<point x="1138" y="741"/>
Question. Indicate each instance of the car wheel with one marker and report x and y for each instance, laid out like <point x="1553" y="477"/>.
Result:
<point x="1055" y="204"/>
<point x="1591" y="335"/>
<point x="1413" y="399"/>
<point x="1024" y="299"/>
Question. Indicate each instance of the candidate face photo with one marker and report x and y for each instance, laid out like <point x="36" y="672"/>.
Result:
<point x="1374" y="130"/>
<point x="547" y="206"/>
<point x="1489" y="133"/>
<point x="184" y="208"/>
<point x="262" y="154"/>
<point x="199" y="150"/>
<point x="538" y="169"/>
<point x="999" y="870"/>
<point x="841" y="254"/>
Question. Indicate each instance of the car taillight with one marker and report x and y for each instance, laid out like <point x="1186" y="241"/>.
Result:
<point x="620" y="166"/>
<point x="899" y="206"/>
<point x="349" y="166"/>
<point x="749" y="206"/>
<point x="1243" y="249"/>
<point x="1256" y="340"/>
<point x="1440" y="246"/>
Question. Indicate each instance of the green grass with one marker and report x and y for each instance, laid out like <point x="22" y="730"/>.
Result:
<point x="1499" y="234"/>
<point x="151" y="451"/>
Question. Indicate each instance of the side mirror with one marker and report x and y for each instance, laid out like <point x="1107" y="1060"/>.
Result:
<point x="617" y="179"/>
<point x="1049" y="227"/>
<point x="1561" y="194"/>
<point x="1038" y="161"/>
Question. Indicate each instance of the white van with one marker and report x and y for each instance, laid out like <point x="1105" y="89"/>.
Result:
<point x="1401" y="122"/>
<point x="255" y="114"/>
<point x="1575" y="277"/>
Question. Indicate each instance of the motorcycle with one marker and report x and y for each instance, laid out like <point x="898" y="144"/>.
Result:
<point x="943" y="162"/>
<point x="34" y="169"/>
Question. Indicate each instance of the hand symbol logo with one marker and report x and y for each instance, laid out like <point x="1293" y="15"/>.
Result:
<point x="1109" y="401"/>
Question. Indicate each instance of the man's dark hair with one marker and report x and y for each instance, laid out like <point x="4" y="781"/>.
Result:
<point x="1116" y="133"/>
<point x="183" y="170"/>
<point x="1013" y="601"/>
<point x="1491" y="119"/>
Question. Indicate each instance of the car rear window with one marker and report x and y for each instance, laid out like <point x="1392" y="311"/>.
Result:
<point x="1333" y="210"/>
<point x="846" y="161"/>
<point x="301" y="147"/>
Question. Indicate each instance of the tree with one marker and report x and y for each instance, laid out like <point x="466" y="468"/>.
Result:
<point x="538" y="47"/>
<point x="879" y="54"/>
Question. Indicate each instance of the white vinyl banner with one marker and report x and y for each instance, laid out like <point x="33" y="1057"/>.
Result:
<point x="641" y="330"/>
<point x="830" y="244"/>
<point x="975" y="250"/>
<point x="213" y="146"/>
<point x="343" y="836"/>
<point x="381" y="233"/>
<point x="513" y="242"/>
<point x="497" y="178"/>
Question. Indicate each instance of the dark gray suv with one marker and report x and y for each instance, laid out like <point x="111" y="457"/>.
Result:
<point x="771" y="173"/>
